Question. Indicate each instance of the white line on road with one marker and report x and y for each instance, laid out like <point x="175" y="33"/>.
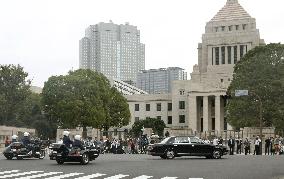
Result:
<point x="143" y="177"/>
<point x="117" y="176"/>
<point x="169" y="178"/>
<point x="195" y="178"/>
<point x="12" y="171"/>
<point x="91" y="176"/>
<point x="65" y="176"/>
<point x="20" y="174"/>
<point x="39" y="175"/>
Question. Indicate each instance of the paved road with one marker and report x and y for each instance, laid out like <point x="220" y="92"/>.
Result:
<point x="126" y="166"/>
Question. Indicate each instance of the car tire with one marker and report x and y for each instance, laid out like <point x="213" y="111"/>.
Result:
<point x="85" y="159"/>
<point x="59" y="161"/>
<point x="163" y="156"/>
<point x="170" y="154"/>
<point x="9" y="157"/>
<point x="216" y="154"/>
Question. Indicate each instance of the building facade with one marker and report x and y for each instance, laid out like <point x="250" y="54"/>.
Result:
<point x="228" y="36"/>
<point x="158" y="81"/>
<point x="114" y="50"/>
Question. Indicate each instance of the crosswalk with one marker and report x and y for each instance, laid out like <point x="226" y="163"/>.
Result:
<point x="18" y="174"/>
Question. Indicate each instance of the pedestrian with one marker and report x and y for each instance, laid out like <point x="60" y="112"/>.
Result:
<point x="231" y="144"/>
<point x="247" y="146"/>
<point x="267" y="146"/>
<point x="272" y="146"/>
<point x="239" y="145"/>
<point x="257" y="146"/>
<point x="220" y="142"/>
<point x="215" y="141"/>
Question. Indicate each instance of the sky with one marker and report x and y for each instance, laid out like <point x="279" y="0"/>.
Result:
<point x="43" y="35"/>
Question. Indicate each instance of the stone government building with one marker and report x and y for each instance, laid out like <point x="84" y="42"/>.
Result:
<point x="198" y="104"/>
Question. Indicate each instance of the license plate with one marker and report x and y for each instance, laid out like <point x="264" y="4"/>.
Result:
<point x="14" y="150"/>
<point x="54" y="152"/>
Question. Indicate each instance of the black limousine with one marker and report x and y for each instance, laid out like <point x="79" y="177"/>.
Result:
<point x="172" y="147"/>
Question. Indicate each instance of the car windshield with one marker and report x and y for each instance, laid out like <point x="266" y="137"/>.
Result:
<point x="165" y="140"/>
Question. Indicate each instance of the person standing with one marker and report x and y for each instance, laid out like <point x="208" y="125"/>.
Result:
<point x="247" y="146"/>
<point x="272" y="147"/>
<point x="257" y="146"/>
<point x="267" y="146"/>
<point x="231" y="144"/>
<point x="239" y="145"/>
<point x="215" y="141"/>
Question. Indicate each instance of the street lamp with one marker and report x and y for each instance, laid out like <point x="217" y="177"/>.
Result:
<point x="246" y="93"/>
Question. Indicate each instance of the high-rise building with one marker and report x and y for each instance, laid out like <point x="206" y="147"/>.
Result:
<point x="113" y="50"/>
<point x="158" y="81"/>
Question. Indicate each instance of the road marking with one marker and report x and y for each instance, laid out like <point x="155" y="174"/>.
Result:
<point x="91" y="176"/>
<point x="117" y="176"/>
<point x="40" y="175"/>
<point x="169" y="178"/>
<point x="65" y="176"/>
<point x="12" y="171"/>
<point x="195" y="178"/>
<point x="20" y="174"/>
<point x="143" y="177"/>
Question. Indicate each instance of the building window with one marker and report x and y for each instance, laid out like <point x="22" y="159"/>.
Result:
<point x="244" y="26"/>
<point x="136" y="107"/>
<point x="230" y="28"/>
<point x="181" y="92"/>
<point x="159" y="107"/>
<point x="170" y="120"/>
<point x="159" y="117"/>
<point x="235" y="54"/>
<point x="222" y="80"/>
<point x="237" y="27"/>
<point x="170" y="106"/>
<point x="223" y="28"/>
<point x="216" y="29"/>
<point x="147" y="107"/>
<point x="136" y="119"/>
<point x="182" y="119"/>
<point x="217" y="56"/>
<point x="229" y="55"/>
<point x="223" y="54"/>
<point x="181" y="104"/>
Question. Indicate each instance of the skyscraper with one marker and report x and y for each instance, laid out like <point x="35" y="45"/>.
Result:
<point x="114" y="50"/>
<point x="158" y="81"/>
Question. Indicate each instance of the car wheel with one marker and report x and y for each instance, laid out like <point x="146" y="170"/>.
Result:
<point x="9" y="157"/>
<point x="59" y="161"/>
<point x="163" y="157"/>
<point x="42" y="154"/>
<point x="170" y="154"/>
<point x="85" y="159"/>
<point x="217" y="154"/>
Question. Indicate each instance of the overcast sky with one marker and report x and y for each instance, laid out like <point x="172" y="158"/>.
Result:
<point x="43" y="35"/>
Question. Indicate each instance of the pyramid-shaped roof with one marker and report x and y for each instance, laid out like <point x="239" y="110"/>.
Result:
<point x="231" y="11"/>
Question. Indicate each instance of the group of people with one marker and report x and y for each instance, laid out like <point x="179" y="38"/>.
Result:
<point x="273" y="146"/>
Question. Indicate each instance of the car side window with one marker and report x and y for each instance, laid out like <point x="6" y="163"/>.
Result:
<point x="182" y="140"/>
<point x="194" y="140"/>
<point x="171" y="141"/>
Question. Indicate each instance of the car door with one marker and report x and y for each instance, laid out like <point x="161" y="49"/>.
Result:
<point x="181" y="145"/>
<point x="194" y="147"/>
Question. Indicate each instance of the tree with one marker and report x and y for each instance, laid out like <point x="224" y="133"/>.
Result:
<point x="157" y="126"/>
<point x="261" y="72"/>
<point x="83" y="98"/>
<point x="14" y="89"/>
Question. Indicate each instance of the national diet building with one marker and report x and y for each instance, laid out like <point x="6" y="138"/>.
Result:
<point x="198" y="104"/>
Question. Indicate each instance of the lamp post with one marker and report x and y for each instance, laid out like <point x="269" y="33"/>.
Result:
<point x="246" y="93"/>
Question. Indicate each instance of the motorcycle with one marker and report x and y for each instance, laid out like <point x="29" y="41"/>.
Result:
<point x="20" y="151"/>
<point x="62" y="154"/>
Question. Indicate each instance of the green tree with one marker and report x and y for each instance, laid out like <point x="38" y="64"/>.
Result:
<point x="261" y="72"/>
<point x="14" y="89"/>
<point x="157" y="126"/>
<point x="82" y="98"/>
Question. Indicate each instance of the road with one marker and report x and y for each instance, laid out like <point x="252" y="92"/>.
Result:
<point x="110" y="166"/>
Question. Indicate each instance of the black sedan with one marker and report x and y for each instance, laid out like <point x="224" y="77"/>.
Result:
<point x="172" y="147"/>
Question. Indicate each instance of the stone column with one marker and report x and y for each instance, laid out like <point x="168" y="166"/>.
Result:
<point x="232" y="54"/>
<point x="226" y="55"/>
<point x="217" y="113"/>
<point x="192" y="108"/>
<point x="220" y="55"/>
<point x="205" y="113"/>
<point x="210" y="55"/>
<point x="239" y="53"/>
